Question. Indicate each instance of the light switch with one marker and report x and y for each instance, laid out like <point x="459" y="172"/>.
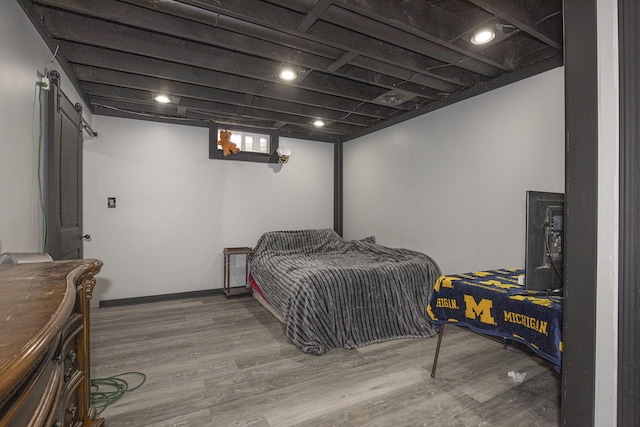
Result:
<point x="111" y="202"/>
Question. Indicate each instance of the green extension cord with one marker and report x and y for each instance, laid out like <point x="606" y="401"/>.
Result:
<point x="107" y="391"/>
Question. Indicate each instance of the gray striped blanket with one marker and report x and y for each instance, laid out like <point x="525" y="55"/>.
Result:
<point x="333" y="293"/>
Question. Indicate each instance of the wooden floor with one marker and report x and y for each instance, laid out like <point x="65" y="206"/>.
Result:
<point x="217" y="362"/>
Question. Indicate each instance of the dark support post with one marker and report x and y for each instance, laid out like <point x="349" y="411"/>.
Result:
<point x="337" y="187"/>
<point x="628" y="410"/>
<point x="581" y="181"/>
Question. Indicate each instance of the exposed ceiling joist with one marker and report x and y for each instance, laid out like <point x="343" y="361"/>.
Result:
<point x="361" y="64"/>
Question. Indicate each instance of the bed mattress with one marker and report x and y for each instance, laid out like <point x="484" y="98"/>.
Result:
<point x="332" y="293"/>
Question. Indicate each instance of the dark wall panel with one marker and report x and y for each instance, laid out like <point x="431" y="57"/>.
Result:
<point x="581" y="179"/>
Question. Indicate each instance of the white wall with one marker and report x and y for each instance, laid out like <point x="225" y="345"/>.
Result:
<point x="24" y="53"/>
<point x="452" y="183"/>
<point x="606" y="356"/>
<point x="177" y="209"/>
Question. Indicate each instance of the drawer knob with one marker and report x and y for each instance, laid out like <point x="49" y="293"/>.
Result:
<point x="73" y="410"/>
<point x="71" y="357"/>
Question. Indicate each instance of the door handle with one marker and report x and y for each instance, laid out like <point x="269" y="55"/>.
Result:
<point x="86" y="237"/>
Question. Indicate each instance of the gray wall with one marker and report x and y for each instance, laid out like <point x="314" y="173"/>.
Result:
<point x="452" y="183"/>
<point x="24" y="53"/>
<point x="177" y="209"/>
<point x="606" y="354"/>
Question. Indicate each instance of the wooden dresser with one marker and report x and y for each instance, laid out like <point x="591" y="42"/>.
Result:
<point x="44" y="344"/>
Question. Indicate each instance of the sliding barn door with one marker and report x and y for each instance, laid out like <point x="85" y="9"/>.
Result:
<point x="63" y="174"/>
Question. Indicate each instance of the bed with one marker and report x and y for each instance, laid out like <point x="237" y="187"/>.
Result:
<point x="493" y="302"/>
<point x="331" y="293"/>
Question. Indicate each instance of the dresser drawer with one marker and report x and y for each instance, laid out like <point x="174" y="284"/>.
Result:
<point x="45" y="349"/>
<point x="68" y="351"/>
<point x="35" y="400"/>
<point x="68" y="409"/>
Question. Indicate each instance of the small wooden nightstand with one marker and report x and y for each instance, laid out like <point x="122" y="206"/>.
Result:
<point x="228" y="252"/>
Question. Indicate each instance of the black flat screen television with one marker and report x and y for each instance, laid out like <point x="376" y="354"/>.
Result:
<point x="545" y="234"/>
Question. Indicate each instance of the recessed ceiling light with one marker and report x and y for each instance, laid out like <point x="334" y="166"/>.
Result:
<point x="288" y="74"/>
<point x="483" y="36"/>
<point x="318" y="123"/>
<point x="393" y="98"/>
<point x="162" y="98"/>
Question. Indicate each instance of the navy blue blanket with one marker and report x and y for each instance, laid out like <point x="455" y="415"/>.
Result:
<point x="492" y="302"/>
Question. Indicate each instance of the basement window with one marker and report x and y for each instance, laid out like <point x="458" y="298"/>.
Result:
<point x="250" y="141"/>
<point x="255" y="145"/>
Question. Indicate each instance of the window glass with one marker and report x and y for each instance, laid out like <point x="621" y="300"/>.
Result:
<point x="253" y="144"/>
<point x="249" y="141"/>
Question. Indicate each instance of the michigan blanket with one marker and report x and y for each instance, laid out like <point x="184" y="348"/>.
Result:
<point x="492" y="302"/>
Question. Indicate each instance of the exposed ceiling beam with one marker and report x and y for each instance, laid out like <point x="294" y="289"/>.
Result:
<point x="221" y="60"/>
<point x="343" y="60"/>
<point x="99" y="57"/>
<point x="127" y="39"/>
<point x="313" y="15"/>
<point x="517" y="16"/>
<point x="284" y="21"/>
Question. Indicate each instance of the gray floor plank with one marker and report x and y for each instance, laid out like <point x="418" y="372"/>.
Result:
<point x="214" y="361"/>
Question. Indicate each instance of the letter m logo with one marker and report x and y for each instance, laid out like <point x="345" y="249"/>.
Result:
<point x="482" y="309"/>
